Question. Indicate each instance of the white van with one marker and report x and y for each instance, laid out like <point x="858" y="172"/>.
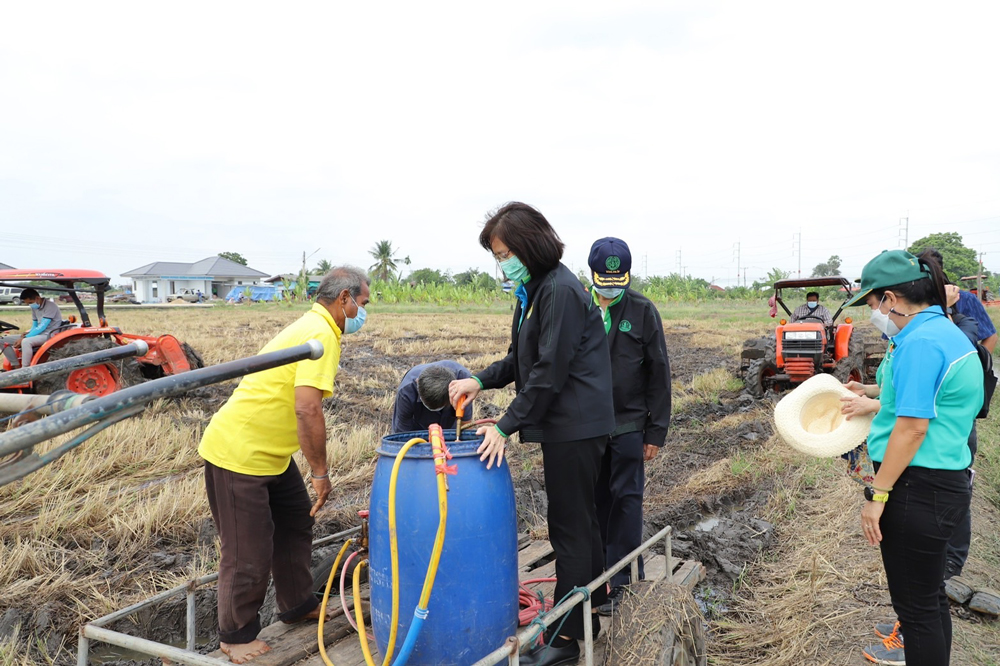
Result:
<point x="10" y="295"/>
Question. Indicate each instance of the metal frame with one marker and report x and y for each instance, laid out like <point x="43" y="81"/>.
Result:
<point x="513" y="646"/>
<point x="96" y="631"/>
<point x="509" y="652"/>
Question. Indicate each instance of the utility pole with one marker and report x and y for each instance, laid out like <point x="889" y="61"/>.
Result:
<point x="744" y="277"/>
<point x="736" y="249"/>
<point x="680" y="268"/>
<point x="979" y="279"/>
<point x="797" y="245"/>
<point x="904" y="231"/>
<point x="645" y="267"/>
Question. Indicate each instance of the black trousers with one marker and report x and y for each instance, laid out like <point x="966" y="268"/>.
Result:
<point x="961" y="539"/>
<point x="619" y="501"/>
<point x="265" y="529"/>
<point x="571" y="470"/>
<point x="923" y="510"/>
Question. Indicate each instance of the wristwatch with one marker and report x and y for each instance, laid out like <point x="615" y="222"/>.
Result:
<point x="872" y="496"/>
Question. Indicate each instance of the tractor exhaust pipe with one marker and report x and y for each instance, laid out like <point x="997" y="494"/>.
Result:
<point x="31" y="373"/>
<point x="129" y="402"/>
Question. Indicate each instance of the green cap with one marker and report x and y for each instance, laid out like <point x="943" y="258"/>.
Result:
<point x="888" y="269"/>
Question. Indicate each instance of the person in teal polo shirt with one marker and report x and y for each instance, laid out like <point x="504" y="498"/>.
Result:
<point x="930" y="388"/>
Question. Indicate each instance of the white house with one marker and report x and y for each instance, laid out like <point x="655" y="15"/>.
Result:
<point x="213" y="277"/>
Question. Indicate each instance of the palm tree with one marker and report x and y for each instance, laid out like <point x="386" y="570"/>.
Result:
<point x="385" y="265"/>
<point x="323" y="267"/>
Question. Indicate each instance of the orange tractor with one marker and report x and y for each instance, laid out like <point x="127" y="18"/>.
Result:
<point x="807" y="346"/>
<point x="165" y="356"/>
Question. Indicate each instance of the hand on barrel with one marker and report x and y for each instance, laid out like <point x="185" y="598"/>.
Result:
<point x="492" y="446"/>
<point x="462" y="387"/>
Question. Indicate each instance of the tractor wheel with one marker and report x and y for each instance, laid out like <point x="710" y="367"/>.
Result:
<point x="758" y="372"/>
<point x="193" y="357"/>
<point x="850" y="369"/>
<point x="658" y="623"/>
<point x="99" y="380"/>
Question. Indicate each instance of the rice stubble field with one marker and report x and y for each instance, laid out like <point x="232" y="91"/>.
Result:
<point x="790" y="580"/>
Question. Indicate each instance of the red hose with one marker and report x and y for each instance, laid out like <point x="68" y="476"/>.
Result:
<point x="343" y="597"/>
<point x="530" y="602"/>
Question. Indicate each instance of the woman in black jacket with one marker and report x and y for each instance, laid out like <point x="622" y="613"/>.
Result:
<point x="559" y="362"/>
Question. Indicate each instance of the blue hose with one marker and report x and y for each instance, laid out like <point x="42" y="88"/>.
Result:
<point x="419" y="615"/>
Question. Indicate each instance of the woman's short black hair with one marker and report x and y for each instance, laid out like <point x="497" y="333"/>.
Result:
<point x="528" y="235"/>
<point x="812" y="293"/>
<point x="920" y="292"/>
<point x="29" y="293"/>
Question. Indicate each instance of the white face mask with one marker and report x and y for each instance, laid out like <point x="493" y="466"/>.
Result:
<point x="608" y="292"/>
<point x="882" y="322"/>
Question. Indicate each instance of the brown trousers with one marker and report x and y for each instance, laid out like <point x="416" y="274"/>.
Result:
<point x="265" y="528"/>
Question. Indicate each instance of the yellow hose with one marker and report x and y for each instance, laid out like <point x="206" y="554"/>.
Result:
<point x="437" y="445"/>
<point x="394" y="550"/>
<point x="359" y="615"/>
<point x="326" y="598"/>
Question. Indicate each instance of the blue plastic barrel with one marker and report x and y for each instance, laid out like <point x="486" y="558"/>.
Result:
<point x="473" y="606"/>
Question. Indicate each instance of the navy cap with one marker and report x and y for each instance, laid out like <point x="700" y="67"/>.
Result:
<point x="610" y="261"/>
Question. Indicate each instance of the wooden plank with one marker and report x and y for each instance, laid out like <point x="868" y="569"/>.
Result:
<point x="523" y="539"/>
<point x="346" y="652"/>
<point x="291" y="643"/>
<point x="655" y="567"/>
<point x="530" y="556"/>
<point x="689" y="574"/>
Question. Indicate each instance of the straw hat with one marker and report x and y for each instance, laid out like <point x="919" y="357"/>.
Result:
<point x="809" y="419"/>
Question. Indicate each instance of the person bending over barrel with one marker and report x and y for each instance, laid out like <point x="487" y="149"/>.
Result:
<point x="560" y="365"/>
<point x="422" y="397"/>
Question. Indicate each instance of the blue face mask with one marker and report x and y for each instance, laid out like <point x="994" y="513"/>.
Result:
<point x="354" y="324"/>
<point x="608" y="292"/>
<point x="812" y="304"/>
<point x="35" y="306"/>
<point x="514" y="269"/>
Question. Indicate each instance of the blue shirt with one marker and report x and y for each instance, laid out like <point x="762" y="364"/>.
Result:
<point x="969" y="305"/>
<point x="409" y="413"/>
<point x="930" y="371"/>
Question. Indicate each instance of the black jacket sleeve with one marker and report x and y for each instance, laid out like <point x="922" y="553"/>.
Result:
<point x="658" y="385"/>
<point x="561" y="318"/>
<point x="499" y="374"/>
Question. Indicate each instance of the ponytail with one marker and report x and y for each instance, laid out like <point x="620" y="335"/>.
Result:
<point x="929" y="263"/>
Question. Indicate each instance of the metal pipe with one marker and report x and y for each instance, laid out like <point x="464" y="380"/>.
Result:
<point x="33" y="372"/>
<point x="528" y="635"/>
<point x="82" y="650"/>
<point x="40" y="404"/>
<point x="176" y="655"/>
<point x="588" y="631"/>
<point x="33" y="433"/>
<point x="191" y="628"/>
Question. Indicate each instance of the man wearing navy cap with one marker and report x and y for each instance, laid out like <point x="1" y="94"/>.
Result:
<point x="640" y="377"/>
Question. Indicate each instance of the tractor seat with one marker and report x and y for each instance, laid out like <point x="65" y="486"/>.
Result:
<point x="65" y="325"/>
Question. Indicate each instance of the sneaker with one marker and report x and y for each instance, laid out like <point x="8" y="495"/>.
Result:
<point x="888" y="629"/>
<point x="614" y="597"/>
<point x="888" y="653"/>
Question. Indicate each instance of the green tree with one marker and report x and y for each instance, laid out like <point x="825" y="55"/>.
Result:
<point x="428" y="276"/>
<point x="323" y="267"/>
<point x="384" y="268"/>
<point x="475" y="278"/>
<point x="959" y="261"/>
<point x="234" y="256"/>
<point x="828" y="268"/>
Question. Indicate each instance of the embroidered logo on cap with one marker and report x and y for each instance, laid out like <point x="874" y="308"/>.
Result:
<point x="613" y="263"/>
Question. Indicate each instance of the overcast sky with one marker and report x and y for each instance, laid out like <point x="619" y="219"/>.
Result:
<point x="137" y="132"/>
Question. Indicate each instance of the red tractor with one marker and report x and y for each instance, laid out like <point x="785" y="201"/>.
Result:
<point x="166" y="355"/>
<point x="807" y="346"/>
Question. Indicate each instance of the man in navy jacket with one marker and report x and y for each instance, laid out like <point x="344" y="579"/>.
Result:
<point x="640" y="372"/>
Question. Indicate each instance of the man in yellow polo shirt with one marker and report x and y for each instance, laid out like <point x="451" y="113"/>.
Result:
<point x="258" y="499"/>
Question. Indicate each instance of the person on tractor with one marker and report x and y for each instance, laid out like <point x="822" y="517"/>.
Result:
<point x="812" y="310"/>
<point x="45" y="316"/>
